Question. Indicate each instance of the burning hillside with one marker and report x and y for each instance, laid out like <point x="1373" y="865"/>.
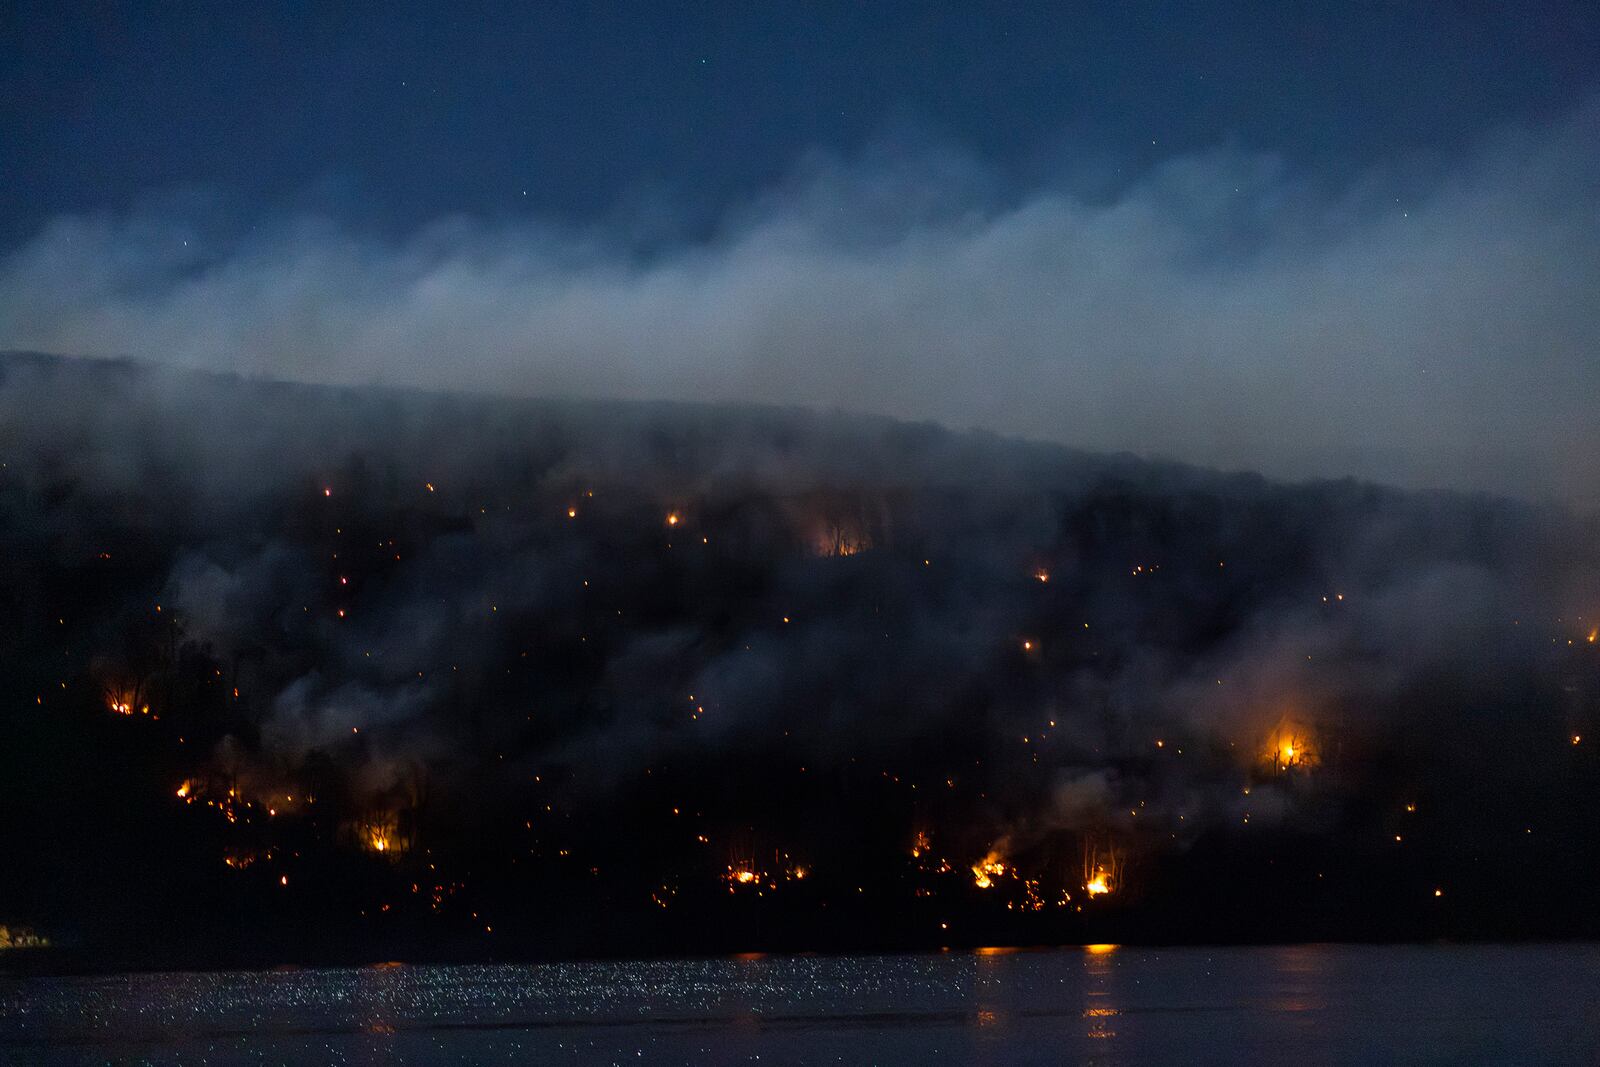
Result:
<point x="475" y="676"/>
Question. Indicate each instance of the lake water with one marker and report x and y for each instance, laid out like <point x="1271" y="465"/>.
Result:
<point x="1304" y="1005"/>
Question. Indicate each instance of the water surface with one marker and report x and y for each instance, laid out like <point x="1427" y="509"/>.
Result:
<point x="1304" y="1005"/>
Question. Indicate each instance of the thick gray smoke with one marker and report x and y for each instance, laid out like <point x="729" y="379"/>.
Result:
<point x="1432" y="324"/>
<point x="1072" y="643"/>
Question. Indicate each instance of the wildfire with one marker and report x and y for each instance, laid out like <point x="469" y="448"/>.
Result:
<point x="920" y="844"/>
<point x="986" y="870"/>
<point x="121" y="703"/>
<point x="1102" y="870"/>
<point x="1291" y="747"/>
<point x="834" y="528"/>
<point x="380" y="835"/>
<point x="743" y="875"/>
<point x="834" y="540"/>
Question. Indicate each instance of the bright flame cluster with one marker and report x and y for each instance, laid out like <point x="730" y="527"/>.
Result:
<point x="986" y="870"/>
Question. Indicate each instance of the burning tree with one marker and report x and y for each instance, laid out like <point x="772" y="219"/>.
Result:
<point x="1102" y="869"/>
<point x="1292" y="746"/>
<point x="380" y="833"/>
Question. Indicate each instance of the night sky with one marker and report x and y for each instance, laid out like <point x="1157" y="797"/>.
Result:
<point x="398" y="114"/>
<point x="1354" y="241"/>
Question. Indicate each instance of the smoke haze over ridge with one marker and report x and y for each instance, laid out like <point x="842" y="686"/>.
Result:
<point x="1431" y="324"/>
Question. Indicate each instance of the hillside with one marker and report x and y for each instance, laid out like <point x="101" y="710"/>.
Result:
<point x="296" y="673"/>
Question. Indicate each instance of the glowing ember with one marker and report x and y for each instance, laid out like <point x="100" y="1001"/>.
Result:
<point x="673" y="518"/>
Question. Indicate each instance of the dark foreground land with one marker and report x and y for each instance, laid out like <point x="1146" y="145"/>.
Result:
<point x="308" y="675"/>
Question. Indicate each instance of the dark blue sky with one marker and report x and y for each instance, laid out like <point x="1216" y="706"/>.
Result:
<point x="393" y="114"/>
